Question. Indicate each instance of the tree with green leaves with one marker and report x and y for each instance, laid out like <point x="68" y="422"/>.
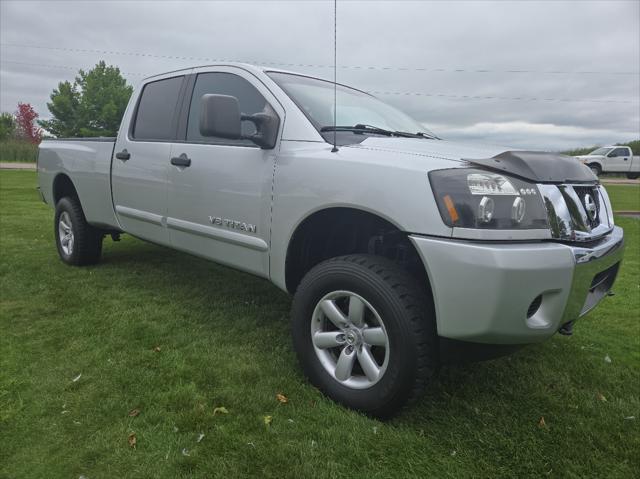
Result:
<point x="7" y="126"/>
<point x="93" y="105"/>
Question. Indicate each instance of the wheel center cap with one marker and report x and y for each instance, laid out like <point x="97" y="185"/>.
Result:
<point x="351" y="337"/>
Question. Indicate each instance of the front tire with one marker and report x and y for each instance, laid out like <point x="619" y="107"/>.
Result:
<point x="595" y="169"/>
<point x="77" y="241"/>
<point x="633" y="176"/>
<point x="365" y="333"/>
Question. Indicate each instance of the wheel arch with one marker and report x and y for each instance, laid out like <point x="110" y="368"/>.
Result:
<point x="339" y="230"/>
<point x="63" y="186"/>
<point x="597" y="163"/>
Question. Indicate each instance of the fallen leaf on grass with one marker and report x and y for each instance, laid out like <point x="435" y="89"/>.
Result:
<point x="220" y="410"/>
<point x="134" y="412"/>
<point x="542" y="423"/>
<point x="75" y="380"/>
<point x="630" y="418"/>
<point x="607" y="359"/>
<point x="200" y="437"/>
<point x="600" y="397"/>
<point x="268" y="420"/>
<point x="156" y="349"/>
<point x="282" y="398"/>
<point x="132" y="440"/>
<point x="185" y="452"/>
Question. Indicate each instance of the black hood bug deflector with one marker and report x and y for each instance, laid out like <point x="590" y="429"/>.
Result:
<point x="539" y="167"/>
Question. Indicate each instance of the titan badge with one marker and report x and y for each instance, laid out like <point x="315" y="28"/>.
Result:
<point x="232" y="224"/>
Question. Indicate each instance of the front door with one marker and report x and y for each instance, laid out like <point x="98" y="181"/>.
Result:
<point x="220" y="189"/>
<point x="618" y="160"/>
<point x="140" y="168"/>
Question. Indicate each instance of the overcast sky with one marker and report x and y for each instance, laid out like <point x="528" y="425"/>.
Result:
<point x="574" y="65"/>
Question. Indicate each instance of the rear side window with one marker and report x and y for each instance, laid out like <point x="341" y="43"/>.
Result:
<point x="155" y="118"/>
<point x="250" y="100"/>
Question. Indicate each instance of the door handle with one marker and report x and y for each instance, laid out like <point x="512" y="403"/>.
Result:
<point x="123" y="155"/>
<point x="182" y="160"/>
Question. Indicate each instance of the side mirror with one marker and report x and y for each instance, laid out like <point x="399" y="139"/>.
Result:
<point x="267" y="123"/>
<point x="220" y="116"/>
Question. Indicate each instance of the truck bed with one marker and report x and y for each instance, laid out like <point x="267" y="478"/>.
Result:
<point x="87" y="163"/>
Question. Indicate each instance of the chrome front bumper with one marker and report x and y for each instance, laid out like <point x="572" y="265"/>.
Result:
<point x="483" y="291"/>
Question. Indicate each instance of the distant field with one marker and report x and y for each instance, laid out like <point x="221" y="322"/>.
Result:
<point x="150" y="342"/>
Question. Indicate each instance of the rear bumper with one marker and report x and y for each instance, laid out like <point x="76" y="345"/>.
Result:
<point x="486" y="292"/>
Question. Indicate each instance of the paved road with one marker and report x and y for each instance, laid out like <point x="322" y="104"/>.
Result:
<point x="4" y="165"/>
<point x="619" y="181"/>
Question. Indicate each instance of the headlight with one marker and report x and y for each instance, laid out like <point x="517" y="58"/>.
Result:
<point x="474" y="198"/>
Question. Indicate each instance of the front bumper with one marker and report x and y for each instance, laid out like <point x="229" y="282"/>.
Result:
<point x="486" y="292"/>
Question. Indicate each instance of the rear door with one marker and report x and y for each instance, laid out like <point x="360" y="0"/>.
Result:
<point x="220" y="204"/>
<point x="141" y="163"/>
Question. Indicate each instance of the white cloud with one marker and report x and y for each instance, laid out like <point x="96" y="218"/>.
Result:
<point x="539" y="136"/>
<point x="433" y="39"/>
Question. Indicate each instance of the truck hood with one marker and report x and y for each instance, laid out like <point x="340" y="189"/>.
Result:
<point x="535" y="166"/>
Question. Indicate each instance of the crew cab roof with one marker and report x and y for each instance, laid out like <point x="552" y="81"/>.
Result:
<point x="245" y="66"/>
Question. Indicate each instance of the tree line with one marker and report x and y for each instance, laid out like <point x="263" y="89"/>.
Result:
<point x="92" y="105"/>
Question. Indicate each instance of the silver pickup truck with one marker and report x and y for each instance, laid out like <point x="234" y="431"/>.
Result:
<point x="402" y="251"/>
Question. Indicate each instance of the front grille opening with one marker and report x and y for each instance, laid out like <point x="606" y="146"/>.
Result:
<point x="604" y="279"/>
<point x="600" y="285"/>
<point x="534" y="306"/>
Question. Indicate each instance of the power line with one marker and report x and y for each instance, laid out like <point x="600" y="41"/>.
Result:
<point x="65" y="67"/>
<point x="309" y="65"/>
<point x="395" y="93"/>
<point x="515" y="98"/>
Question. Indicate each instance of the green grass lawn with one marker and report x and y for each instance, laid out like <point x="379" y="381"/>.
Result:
<point x="624" y="197"/>
<point x="176" y="337"/>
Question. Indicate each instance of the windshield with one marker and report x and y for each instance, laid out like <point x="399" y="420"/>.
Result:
<point x="600" y="151"/>
<point x="315" y="98"/>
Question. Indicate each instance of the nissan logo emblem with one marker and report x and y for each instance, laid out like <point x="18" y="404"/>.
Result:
<point x="590" y="207"/>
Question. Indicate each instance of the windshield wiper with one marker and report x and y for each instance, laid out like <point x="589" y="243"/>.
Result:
<point x="361" y="129"/>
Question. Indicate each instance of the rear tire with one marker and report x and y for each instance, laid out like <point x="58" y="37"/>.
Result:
<point x="633" y="176"/>
<point x="77" y="241"/>
<point x="397" y="329"/>
<point x="595" y="169"/>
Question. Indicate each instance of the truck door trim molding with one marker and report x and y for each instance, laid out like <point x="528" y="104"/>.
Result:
<point x="139" y="215"/>
<point x="232" y="237"/>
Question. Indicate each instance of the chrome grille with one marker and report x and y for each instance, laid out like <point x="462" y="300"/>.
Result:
<point x="577" y="212"/>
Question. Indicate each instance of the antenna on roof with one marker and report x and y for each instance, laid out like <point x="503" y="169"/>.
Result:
<point x="335" y="72"/>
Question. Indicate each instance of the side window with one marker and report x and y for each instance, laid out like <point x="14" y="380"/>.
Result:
<point x="250" y="100"/>
<point x="620" y="152"/>
<point x="157" y="109"/>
